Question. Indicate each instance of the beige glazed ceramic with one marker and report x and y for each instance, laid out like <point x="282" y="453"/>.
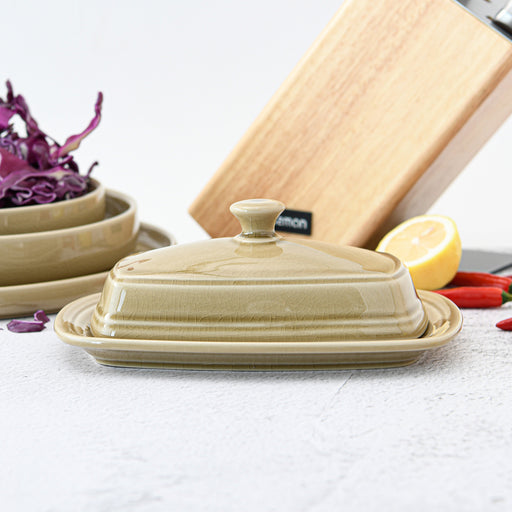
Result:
<point x="259" y="288"/>
<point x="62" y="214"/>
<point x="71" y="252"/>
<point x="73" y="326"/>
<point x="24" y="299"/>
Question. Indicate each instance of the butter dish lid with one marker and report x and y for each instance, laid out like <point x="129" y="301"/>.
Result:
<point x="258" y="286"/>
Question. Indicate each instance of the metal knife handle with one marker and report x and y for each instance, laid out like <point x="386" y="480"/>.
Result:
<point x="504" y="18"/>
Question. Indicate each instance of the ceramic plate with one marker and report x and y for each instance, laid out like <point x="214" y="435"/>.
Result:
<point x="73" y="326"/>
<point x="51" y="296"/>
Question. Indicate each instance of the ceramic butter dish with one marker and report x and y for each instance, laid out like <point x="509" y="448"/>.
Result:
<point x="259" y="287"/>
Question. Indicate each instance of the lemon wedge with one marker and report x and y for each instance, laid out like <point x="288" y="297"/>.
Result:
<point x="429" y="246"/>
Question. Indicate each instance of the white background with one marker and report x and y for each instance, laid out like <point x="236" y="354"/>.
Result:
<point x="182" y="81"/>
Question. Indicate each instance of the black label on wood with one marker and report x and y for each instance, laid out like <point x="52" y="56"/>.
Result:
<point x="295" y="221"/>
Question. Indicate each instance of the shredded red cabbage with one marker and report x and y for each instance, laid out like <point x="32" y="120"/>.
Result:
<point x="36" y="325"/>
<point x="34" y="169"/>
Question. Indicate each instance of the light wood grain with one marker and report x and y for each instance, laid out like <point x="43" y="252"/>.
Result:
<point x="384" y="110"/>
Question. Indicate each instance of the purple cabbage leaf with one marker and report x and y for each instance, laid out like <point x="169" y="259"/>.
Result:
<point x="34" y="169"/>
<point x="73" y="142"/>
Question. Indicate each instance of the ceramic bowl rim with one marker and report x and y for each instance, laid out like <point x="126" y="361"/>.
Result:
<point x="97" y="190"/>
<point x="56" y="233"/>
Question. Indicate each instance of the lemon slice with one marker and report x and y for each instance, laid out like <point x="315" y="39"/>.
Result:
<point x="429" y="245"/>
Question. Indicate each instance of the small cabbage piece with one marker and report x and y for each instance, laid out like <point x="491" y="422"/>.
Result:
<point x="34" y="169"/>
<point x="36" y="325"/>
<point x="73" y="142"/>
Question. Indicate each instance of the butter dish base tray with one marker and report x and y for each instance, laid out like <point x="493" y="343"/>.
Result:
<point x="51" y="296"/>
<point x="72" y="325"/>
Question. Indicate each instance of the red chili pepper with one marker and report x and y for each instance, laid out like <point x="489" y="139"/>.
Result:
<point x="476" y="296"/>
<point x="506" y="324"/>
<point x="482" y="279"/>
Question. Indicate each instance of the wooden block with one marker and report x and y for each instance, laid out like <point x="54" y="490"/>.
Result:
<point x="386" y="108"/>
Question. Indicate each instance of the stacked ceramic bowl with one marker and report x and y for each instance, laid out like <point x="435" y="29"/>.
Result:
<point x="56" y="252"/>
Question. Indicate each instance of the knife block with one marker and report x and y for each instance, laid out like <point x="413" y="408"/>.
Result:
<point x="389" y="104"/>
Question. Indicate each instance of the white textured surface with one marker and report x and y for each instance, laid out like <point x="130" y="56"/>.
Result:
<point x="182" y="82"/>
<point x="433" y="436"/>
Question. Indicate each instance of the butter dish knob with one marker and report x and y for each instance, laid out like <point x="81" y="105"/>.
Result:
<point x="257" y="217"/>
